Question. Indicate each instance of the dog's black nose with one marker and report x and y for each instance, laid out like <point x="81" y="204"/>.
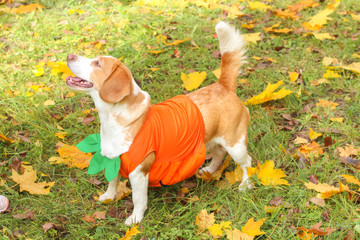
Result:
<point x="71" y="57"/>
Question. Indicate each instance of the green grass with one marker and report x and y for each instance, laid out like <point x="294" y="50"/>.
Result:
<point x="26" y="39"/>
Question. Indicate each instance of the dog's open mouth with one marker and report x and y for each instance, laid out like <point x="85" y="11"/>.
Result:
<point x="76" y="82"/>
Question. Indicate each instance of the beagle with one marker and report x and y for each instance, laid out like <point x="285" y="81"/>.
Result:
<point x="213" y="118"/>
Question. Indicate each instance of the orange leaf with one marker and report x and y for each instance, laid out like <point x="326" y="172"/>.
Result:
<point x="6" y="139"/>
<point x="27" y="180"/>
<point x="325" y="103"/>
<point x="130" y="232"/>
<point x="311" y="148"/>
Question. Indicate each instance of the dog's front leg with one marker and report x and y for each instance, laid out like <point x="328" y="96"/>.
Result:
<point x="139" y="184"/>
<point x="111" y="190"/>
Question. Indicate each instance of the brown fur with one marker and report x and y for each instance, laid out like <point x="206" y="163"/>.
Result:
<point x="147" y="163"/>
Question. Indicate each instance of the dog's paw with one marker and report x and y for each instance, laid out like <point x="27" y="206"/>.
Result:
<point x="133" y="219"/>
<point x="107" y="196"/>
<point x="246" y="185"/>
<point x="206" y="169"/>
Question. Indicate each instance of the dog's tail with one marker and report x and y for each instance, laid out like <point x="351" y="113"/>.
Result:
<point x="232" y="48"/>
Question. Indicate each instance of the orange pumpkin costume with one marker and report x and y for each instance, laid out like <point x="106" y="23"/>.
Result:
<point x="174" y="130"/>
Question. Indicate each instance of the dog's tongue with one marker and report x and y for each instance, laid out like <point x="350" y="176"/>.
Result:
<point x="75" y="79"/>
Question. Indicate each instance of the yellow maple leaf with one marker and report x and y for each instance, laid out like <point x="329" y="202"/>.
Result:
<point x="252" y="228"/>
<point x="234" y="11"/>
<point x="301" y="5"/>
<point x="204" y="220"/>
<point x="267" y="174"/>
<point x="351" y="179"/>
<point x="256" y="5"/>
<point x="192" y="80"/>
<point x="325" y="103"/>
<point x="73" y="157"/>
<point x="293" y="76"/>
<point x="23" y="8"/>
<point x="130" y="232"/>
<point x="314" y="135"/>
<point x="176" y="42"/>
<point x="354" y="67"/>
<point x="322" y="36"/>
<point x="339" y="119"/>
<point x="215" y="230"/>
<point x="27" y="182"/>
<point x="268" y="94"/>
<point x="61" y="135"/>
<point x="38" y="72"/>
<point x="355" y="17"/>
<point x="325" y="189"/>
<point x="252" y="37"/>
<point x="320" y="19"/>
<point x="156" y="51"/>
<point x="286" y="14"/>
<point x="60" y="67"/>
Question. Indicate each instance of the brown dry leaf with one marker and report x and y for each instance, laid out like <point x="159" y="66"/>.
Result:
<point x="314" y="231"/>
<point x="27" y="180"/>
<point x="300" y="140"/>
<point x="234" y="176"/>
<point x="89" y="219"/>
<point x="318" y="201"/>
<point x="348" y="151"/>
<point x="122" y="190"/>
<point x="99" y="215"/>
<point x="204" y="220"/>
<point x="217" y="174"/>
<point x="236" y="234"/>
<point x="73" y="157"/>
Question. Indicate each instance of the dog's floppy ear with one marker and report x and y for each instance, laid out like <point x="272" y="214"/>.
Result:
<point x="117" y="85"/>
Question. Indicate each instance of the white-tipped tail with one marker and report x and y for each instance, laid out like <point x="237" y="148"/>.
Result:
<point x="233" y="49"/>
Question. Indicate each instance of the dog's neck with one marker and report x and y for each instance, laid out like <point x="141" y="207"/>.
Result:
<point x="120" y="122"/>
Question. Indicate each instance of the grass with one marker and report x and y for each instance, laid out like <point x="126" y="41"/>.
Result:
<point x="130" y="31"/>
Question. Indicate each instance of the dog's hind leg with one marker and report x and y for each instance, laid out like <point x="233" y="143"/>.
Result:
<point x="239" y="153"/>
<point x="217" y="152"/>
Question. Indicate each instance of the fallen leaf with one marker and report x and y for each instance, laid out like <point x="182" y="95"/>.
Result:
<point x="177" y="42"/>
<point x="27" y="180"/>
<point x="204" y="220"/>
<point x="38" y="72"/>
<point x="192" y="80"/>
<point x="325" y="189"/>
<point x="267" y="174"/>
<point x="236" y="234"/>
<point x="348" y="151"/>
<point x="49" y="102"/>
<point x="252" y="37"/>
<point x="130" y="232"/>
<point x="300" y="140"/>
<point x="318" y="201"/>
<point x="311" y="148"/>
<point x="268" y="94"/>
<point x="6" y="139"/>
<point x="252" y="228"/>
<point x="256" y="5"/>
<point x="323" y="36"/>
<point x="331" y="74"/>
<point x="73" y="157"/>
<point x="320" y="19"/>
<point x="314" y="135"/>
<point x="217" y="73"/>
<point x="215" y="230"/>
<point x="234" y="176"/>
<point x="339" y="119"/>
<point x="301" y="5"/>
<point x="122" y="190"/>
<point x="351" y="179"/>
<point x="325" y="104"/>
<point x="293" y="76"/>
<point x="60" y="67"/>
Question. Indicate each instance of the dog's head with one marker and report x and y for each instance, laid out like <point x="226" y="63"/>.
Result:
<point x="106" y="75"/>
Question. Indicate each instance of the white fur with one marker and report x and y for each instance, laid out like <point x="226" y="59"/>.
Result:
<point x="139" y="185"/>
<point x="238" y="152"/>
<point x="230" y="40"/>
<point x="111" y="190"/>
<point x="82" y="68"/>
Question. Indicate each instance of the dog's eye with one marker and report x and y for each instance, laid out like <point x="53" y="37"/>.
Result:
<point x="97" y="63"/>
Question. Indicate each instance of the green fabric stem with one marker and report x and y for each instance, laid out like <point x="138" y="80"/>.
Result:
<point x="92" y="143"/>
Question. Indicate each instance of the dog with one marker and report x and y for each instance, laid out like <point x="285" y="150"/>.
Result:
<point x="124" y="109"/>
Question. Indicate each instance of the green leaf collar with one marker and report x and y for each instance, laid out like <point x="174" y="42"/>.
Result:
<point x="92" y="143"/>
